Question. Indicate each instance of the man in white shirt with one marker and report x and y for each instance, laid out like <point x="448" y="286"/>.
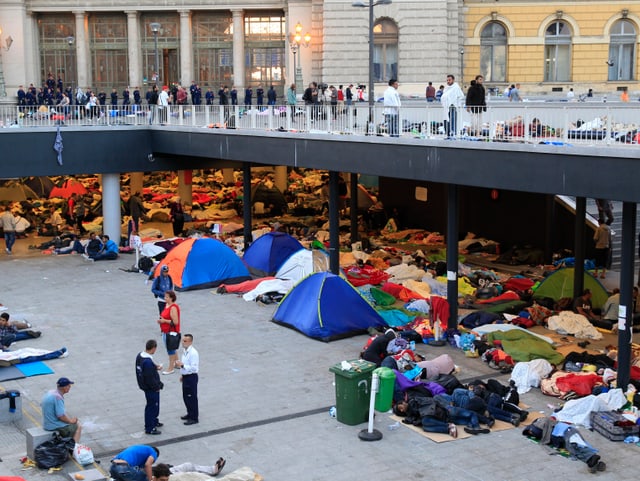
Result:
<point x="163" y="104"/>
<point x="452" y="99"/>
<point x="189" y="364"/>
<point x="8" y="223"/>
<point x="392" y="108"/>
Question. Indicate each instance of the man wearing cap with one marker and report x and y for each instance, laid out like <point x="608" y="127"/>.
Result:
<point x="162" y="284"/>
<point x="54" y="415"/>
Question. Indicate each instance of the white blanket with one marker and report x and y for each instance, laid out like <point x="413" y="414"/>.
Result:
<point x="567" y="322"/>
<point x="578" y="411"/>
<point x="276" y="285"/>
<point x="528" y="374"/>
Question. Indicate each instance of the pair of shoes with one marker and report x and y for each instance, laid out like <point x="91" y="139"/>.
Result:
<point x="189" y="422"/>
<point x="153" y="431"/>
<point x="453" y="430"/>
<point x="490" y="423"/>
<point x="515" y="420"/>
<point x="218" y="466"/>
<point x="33" y="333"/>
<point x="477" y="430"/>
<point x="159" y="424"/>
<point x="185" y="417"/>
<point x="165" y="373"/>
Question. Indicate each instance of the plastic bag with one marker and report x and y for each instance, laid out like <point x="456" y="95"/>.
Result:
<point x="54" y="452"/>
<point x="82" y="454"/>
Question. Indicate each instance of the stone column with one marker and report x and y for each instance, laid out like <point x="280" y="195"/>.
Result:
<point x="238" y="50"/>
<point x="111" y="206"/>
<point x="227" y="176"/>
<point x="82" y="49"/>
<point x="281" y="178"/>
<point x="184" y="186"/>
<point x="186" y="51"/>
<point x="32" y="59"/>
<point x="136" y="182"/>
<point x="133" y="49"/>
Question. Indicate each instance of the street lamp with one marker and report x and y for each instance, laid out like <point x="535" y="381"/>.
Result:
<point x="462" y="67"/>
<point x="296" y="41"/>
<point x="70" y="41"/>
<point x="3" y="90"/>
<point x="155" y="28"/>
<point x="370" y="6"/>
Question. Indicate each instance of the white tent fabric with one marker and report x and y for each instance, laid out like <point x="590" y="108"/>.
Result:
<point x="149" y="249"/>
<point x="303" y="263"/>
<point x="276" y="285"/>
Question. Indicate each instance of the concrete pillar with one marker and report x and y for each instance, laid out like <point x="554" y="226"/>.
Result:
<point x="281" y="178"/>
<point x="82" y="49"/>
<point x="227" y="176"/>
<point x="238" y="50"/>
<point x="31" y="59"/>
<point x="186" y="51"/>
<point x="111" y="206"/>
<point x="184" y="186"/>
<point x="133" y="48"/>
<point x="136" y="182"/>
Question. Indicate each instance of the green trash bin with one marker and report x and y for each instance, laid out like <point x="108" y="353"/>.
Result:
<point x="353" y="391"/>
<point x="384" y="398"/>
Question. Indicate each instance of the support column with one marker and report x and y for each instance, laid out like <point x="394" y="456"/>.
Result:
<point x="133" y="49"/>
<point x="246" y="203"/>
<point x="334" y="223"/>
<point x="452" y="255"/>
<point x="31" y="59"/>
<point x="579" y="242"/>
<point x="136" y="182"/>
<point x="186" y="51"/>
<point x="82" y="49"/>
<point x="625" y="312"/>
<point x="238" y="49"/>
<point x="111" y="224"/>
<point x="227" y="176"/>
<point x="184" y="186"/>
<point x="353" y="207"/>
<point x="281" y="178"/>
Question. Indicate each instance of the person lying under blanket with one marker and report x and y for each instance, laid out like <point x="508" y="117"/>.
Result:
<point x="29" y="354"/>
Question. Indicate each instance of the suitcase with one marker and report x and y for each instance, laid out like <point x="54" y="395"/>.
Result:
<point x="604" y="422"/>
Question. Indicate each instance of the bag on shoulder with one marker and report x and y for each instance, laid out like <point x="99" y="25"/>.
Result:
<point x="173" y="340"/>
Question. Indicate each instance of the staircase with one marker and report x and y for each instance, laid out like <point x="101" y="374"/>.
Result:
<point x="616" y="230"/>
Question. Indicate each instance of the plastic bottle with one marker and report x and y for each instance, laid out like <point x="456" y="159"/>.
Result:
<point x="394" y="426"/>
<point x="412" y="344"/>
<point x="332" y="412"/>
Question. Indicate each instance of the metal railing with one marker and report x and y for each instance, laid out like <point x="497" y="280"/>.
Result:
<point x="535" y="122"/>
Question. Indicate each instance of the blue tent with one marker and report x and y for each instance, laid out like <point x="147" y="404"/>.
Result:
<point x="202" y="263"/>
<point x="270" y="251"/>
<point x="326" y="307"/>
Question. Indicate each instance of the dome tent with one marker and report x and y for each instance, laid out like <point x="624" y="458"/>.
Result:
<point x="270" y="251"/>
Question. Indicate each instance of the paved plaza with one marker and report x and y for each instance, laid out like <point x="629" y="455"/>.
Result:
<point x="265" y="391"/>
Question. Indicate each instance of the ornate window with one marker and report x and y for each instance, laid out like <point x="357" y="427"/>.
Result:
<point x="213" y="48"/>
<point x="385" y="50"/>
<point x="168" y="48"/>
<point x="264" y="49"/>
<point x="493" y="52"/>
<point x="622" y="51"/>
<point x="557" y="52"/>
<point x="57" y="55"/>
<point x="108" y="50"/>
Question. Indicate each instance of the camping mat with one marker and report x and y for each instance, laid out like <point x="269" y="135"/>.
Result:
<point x="10" y="373"/>
<point x="34" y="368"/>
<point x="443" y="438"/>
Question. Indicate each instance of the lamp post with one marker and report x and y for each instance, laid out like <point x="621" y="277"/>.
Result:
<point x="462" y="67"/>
<point x="70" y="41"/>
<point x="155" y="28"/>
<point x="370" y="6"/>
<point x="3" y="90"/>
<point x="296" y="42"/>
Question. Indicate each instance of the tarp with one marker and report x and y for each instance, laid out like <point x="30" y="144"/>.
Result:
<point x="326" y="307"/>
<point x="270" y="251"/>
<point x="202" y="263"/>
<point x="560" y="284"/>
<point x="70" y="186"/>
<point x="302" y="263"/>
<point x="40" y="185"/>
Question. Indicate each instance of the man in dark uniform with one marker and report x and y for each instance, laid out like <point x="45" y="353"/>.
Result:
<point x="189" y="365"/>
<point x="149" y="382"/>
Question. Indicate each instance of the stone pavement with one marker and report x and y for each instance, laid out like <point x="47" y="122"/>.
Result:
<point x="265" y="391"/>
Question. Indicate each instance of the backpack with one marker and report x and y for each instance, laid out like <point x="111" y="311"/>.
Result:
<point x="145" y="264"/>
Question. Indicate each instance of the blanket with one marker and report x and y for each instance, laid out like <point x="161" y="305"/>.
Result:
<point x="524" y="346"/>
<point x="567" y="322"/>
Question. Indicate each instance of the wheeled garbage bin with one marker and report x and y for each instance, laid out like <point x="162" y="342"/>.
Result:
<point x="353" y="391"/>
<point x="384" y="398"/>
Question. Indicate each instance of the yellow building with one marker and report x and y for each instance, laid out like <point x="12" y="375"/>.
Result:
<point x="551" y="46"/>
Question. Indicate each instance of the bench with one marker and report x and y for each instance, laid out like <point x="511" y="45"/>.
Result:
<point x="89" y="475"/>
<point x="35" y="437"/>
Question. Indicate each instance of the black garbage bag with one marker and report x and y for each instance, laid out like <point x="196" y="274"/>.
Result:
<point x="54" y="452"/>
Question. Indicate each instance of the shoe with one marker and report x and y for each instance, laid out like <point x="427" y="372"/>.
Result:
<point x="453" y="430"/>
<point x="515" y="420"/>
<point x="601" y="466"/>
<point x="524" y="415"/>
<point x="154" y="431"/>
<point x="165" y="373"/>
<point x="33" y="333"/>
<point x="478" y="430"/>
<point x="185" y="417"/>
<point x="218" y="466"/>
<point x="159" y="424"/>
<point x="189" y="422"/>
<point x="491" y="422"/>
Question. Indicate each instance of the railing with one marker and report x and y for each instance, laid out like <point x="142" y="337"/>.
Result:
<point x="558" y="123"/>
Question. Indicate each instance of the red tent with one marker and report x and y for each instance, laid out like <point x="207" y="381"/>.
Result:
<point x="69" y="187"/>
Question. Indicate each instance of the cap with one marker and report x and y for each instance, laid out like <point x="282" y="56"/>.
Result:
<point x="64" y="381"/>
<point x="165" y="268"/>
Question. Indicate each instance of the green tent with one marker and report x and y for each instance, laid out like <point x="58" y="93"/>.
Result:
<point x="560" y="284"/>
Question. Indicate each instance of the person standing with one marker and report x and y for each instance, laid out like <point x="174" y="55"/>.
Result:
<point x="602" y="238"/>
<point x="234" y="95"/>
<point x="134" y="463"/>
<point x="451" y="100"/>
<point x="169" y="321"/>
<point x="161" y="285"/>
<point x="163" y="105"/>
<point x="8" y="222"/>
<point x="149" y="381"/>
<point x="392" y="108"/>
<point x="176" y="214"/>
<point x="136" y="209"/>
<point x="248" y="94"/>
<point x="349" y="95"/>
<point x="514" y="93"/>
<point x="79" y="211"/>
<point x="430" y="92"/>
<point x="189" y="365"/>
<point x="340" y="99"/>
<point x="272" y="96"/>
<point x="54" y="415"/>
<point x="476" y="104"/>
<point x="292" y="99"/>
<point x="260" y="97"/>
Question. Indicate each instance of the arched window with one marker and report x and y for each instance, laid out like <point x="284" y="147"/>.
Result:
<point x="622" y="50"/>
<point x="493" y="52"/>
<point x="557" y="52"/>
<point x="385" y="50"/>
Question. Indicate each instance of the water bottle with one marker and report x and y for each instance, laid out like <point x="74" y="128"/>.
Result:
<point x="332" y="412"/>
<point x="413" y="345"/>
<point x="394" y="426"/>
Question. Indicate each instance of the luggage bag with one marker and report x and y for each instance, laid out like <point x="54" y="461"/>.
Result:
<point x="606" y="423"/>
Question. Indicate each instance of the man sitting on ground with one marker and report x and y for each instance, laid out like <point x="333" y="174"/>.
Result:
<point x="109" y="250"/>
<point x="10" y="333"/>
<point x="582" y="305"/>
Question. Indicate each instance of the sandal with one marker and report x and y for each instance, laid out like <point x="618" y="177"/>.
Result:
<point x="453" y="430"/>
<point x="219" y="465"/>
